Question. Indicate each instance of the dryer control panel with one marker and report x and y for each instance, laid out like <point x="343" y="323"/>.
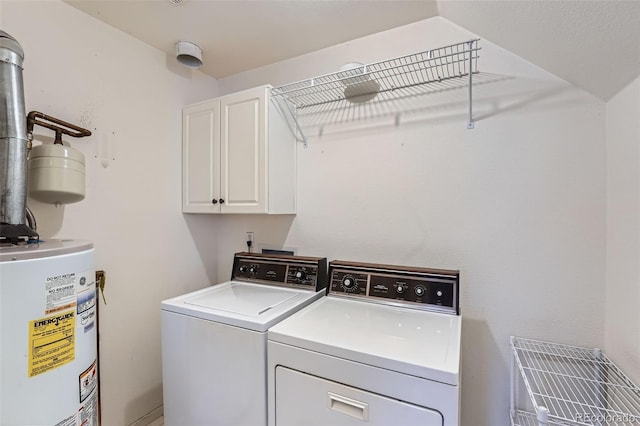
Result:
<point x="421" y="288"/>
<point x="287" y="271"/>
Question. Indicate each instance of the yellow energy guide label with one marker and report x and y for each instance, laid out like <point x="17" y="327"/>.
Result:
<point x="51" y="342"/>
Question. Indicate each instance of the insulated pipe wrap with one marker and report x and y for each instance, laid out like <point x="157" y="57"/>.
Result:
<point x="13" y="133"/>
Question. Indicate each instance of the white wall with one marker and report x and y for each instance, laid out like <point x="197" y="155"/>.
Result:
<point x="623" y="230"/>
<point x="518" y="204"/>
<point x="130" y="96"/>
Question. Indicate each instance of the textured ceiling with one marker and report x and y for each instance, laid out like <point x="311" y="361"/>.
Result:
<point x="594" y="45"/>
<point x="240" y="35"/>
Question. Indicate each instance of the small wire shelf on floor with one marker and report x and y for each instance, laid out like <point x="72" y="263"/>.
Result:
<point x="389" y="79"/>
<point x="570" y="385"/>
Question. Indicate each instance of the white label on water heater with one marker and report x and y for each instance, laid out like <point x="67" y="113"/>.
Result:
<point x="60" y="292"/>
<point x="86" y="300"/>
<point x="88" y="412"/>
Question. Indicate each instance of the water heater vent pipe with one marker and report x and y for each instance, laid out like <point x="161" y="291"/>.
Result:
<point x="13" y="142"/>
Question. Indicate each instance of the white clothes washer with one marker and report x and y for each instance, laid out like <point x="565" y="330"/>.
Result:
<point x="214" y="340"/>
<point x="383" y="348"/>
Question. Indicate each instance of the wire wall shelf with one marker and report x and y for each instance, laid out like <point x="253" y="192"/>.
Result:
<point x="570" y="385"/>
<point x="387" y="80"/>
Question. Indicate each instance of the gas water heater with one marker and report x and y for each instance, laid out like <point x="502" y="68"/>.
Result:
<point x="48" y="322"/>
<point x="48" y="334"/>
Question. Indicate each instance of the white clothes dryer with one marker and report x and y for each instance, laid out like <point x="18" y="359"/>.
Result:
<point x="383" y="348"/>
<point x="214" y="340"/>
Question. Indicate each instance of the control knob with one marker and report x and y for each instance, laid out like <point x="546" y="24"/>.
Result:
<point x="399" y="289"/>
<point x="349" y="283"/>
<point x="301" y="275"/>
<point x="419" y="290"/>
<point x="253" y="269"/>
<point x="243" y="268"/>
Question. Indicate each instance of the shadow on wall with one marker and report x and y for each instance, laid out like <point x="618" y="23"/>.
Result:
<point x="517" y="93"/>
<point x="49" y="218"/>
<point x="204" y="233"/>
<point x="483" y="376"/>
<point x="442" y="102"/>
<point x="218" y="237"/>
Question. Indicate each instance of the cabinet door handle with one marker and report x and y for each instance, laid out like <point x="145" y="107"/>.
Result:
<point x="214" y="201"/>
<point x="221" y="201"/>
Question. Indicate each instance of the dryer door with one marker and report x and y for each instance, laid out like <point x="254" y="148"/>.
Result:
<point x="305" y="399"/>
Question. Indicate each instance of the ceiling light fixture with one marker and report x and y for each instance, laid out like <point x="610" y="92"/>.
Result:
<point x="189" y="54"/>
<point x="359" y="87"/>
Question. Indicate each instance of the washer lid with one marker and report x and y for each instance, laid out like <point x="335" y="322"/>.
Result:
<point x="240" y="304"/>
<point x="241" y="299"/>
<point x="418" y="343"/>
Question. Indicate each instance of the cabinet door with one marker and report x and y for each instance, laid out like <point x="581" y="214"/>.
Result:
<point x="243" y="179"/>
<point x="201" y="158"/>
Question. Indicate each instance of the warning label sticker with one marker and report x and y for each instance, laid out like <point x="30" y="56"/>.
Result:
<point x="51" y="342"/>
<point x="88" y="381"/>
<point x="88" y="412"/>
<point x="60" y="292"/>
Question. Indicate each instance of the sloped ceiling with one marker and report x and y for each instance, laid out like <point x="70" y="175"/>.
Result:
<point x="594" y="45"/>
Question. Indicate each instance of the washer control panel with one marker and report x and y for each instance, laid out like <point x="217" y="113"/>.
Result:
<point x="287" y="271"/>
<point x="422" y="288"/>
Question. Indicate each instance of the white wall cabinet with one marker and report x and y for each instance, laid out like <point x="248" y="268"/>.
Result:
<point x="238" y="156"/>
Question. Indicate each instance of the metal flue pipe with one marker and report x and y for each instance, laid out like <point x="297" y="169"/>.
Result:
<point x="13" y="133"/>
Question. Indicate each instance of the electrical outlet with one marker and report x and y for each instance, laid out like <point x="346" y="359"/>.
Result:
<point x="250" y="238"/>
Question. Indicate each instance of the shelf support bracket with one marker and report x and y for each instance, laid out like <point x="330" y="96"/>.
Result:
<point x="471" y="124"/>
<point x="294" y="116"/>
<point x="298" y="128"/>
